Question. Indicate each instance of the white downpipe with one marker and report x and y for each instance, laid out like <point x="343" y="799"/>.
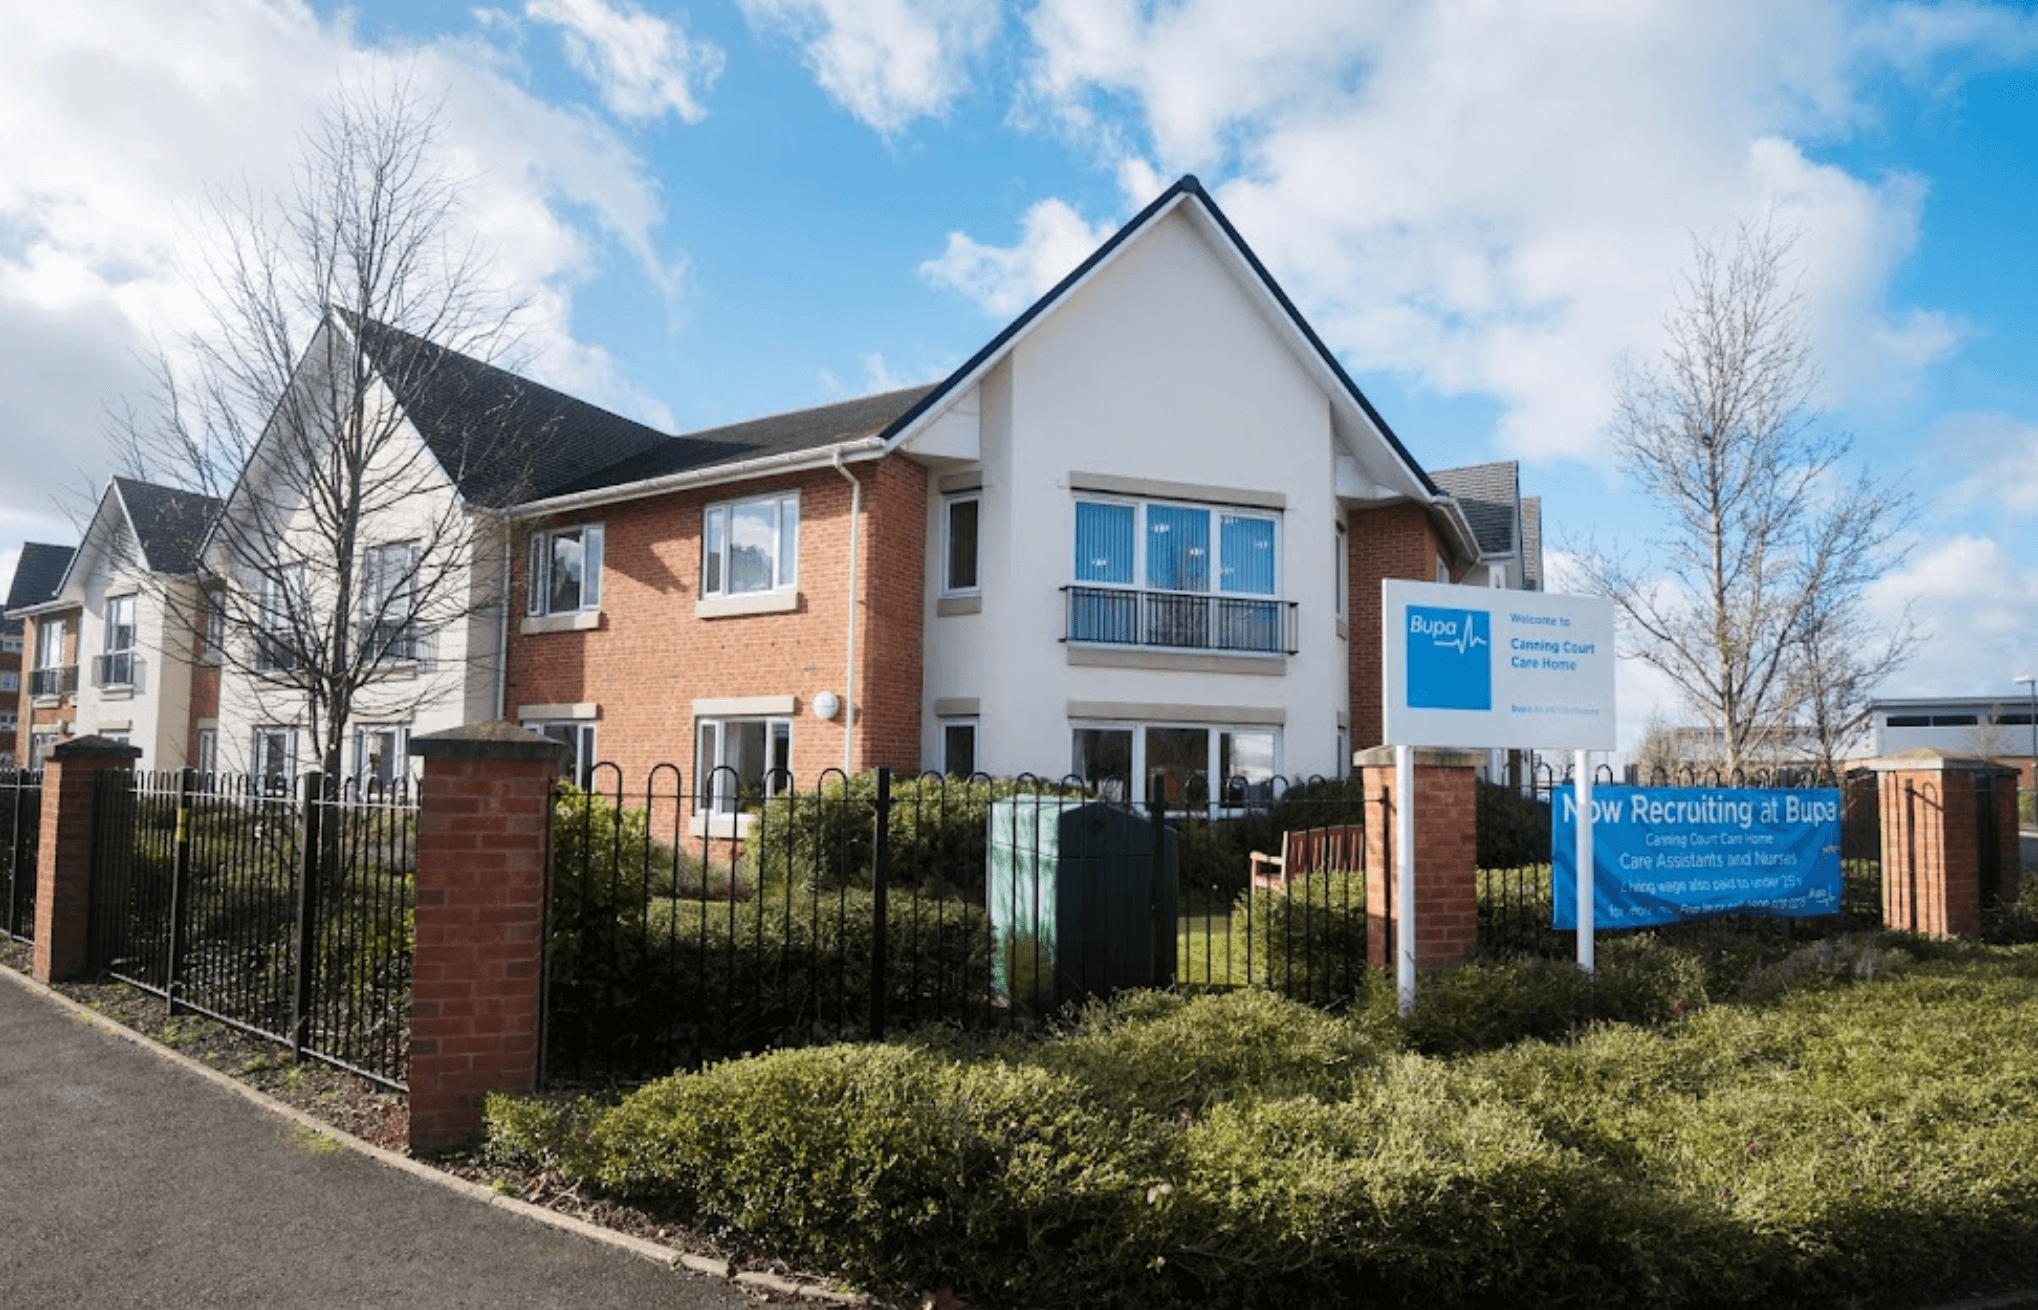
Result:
<point x="502" y="624"/>
<point x="1404" y="875"/>
<point x="1582" y="793"/>
<point x="849" y="667"/>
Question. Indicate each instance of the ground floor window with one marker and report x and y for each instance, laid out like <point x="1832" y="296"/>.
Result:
<point x="577" y="735"/>
<point x="959" y="747"/>
<point x="39" y="747"/>
<point x="1188" y="766"/>
<point x="208" y="750"/>
<point x="275" y="758"/>
<point x="741" y="763"/>
<point x="379" y="758"/>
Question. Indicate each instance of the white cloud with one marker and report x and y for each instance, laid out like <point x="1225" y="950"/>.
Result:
<point x="1497" y="200"/>
<point x="888" y="62"/>
<point x="645" y="66"/>
<point x="1999" y="454"/>
<point x="116" y="114"/>
<point x="1979" y="609"/>
<point x="1006" y="279"/>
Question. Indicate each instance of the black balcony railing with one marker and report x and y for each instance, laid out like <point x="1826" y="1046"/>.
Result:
<point x="118" y="668"/>
<point x="62" y="681"/>
<point x="1181" y="620"/>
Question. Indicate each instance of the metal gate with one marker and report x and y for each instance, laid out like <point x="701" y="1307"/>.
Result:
<point x="20" y="836"/>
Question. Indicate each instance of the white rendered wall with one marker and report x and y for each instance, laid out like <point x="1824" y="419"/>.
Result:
<point x="1161" y="367"/>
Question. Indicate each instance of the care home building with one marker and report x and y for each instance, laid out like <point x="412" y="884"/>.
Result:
<point x="1138" y="537"/>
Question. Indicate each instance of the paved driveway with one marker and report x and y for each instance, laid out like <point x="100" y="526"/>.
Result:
<point x="127" y="1181"/>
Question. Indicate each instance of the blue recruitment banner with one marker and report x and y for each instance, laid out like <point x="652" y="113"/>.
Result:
<point x="1666" y="854"/>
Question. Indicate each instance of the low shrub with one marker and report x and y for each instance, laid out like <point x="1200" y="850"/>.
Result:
<point x="1307" y="942"/>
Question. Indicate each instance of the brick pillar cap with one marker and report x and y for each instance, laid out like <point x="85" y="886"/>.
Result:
<point x="95" y="747"/>
<point x="1426" y="757"/>
<point x="491" y="740"/>
<point x="1930" y="759"/>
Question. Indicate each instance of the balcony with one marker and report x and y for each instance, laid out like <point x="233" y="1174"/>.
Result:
<point x="60" y="681"/>
<point x="1174" y="620"/>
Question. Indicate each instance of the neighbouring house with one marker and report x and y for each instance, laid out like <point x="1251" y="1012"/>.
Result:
<point x="2000" y="728"/>
<point x="11" y="640"/>
<point x="126" y="603"/>
<point x="45" y="704"/>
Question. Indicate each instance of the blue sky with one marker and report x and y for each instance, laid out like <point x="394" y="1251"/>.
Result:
<point x="721" y="210"/>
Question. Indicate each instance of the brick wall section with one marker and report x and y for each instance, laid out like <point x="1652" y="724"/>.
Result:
<point x="1397" y="541"/>
<point x="651" y="658"/>
<point x="1931" y="870"/>
<point x="477" y="977"/>
<point x="1446" y="859"/>
<point x="66" y="708"/>
<point x="63" y="875"/>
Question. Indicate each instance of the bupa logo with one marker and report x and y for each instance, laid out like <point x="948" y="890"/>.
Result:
<point x="1450" y="659"/>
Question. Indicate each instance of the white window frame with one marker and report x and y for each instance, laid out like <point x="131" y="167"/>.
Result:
<point x="11" y="643"/>
<point x="973" y="725"/>
<point x="260" y="757"/>
<point x="581" y="741"/>
<point x="1139" y="727"/>
<point x="400" y="743"/>
<point x="49" y="644"/>
<point x="715" y="792"/>
<point x="538" y="564"/>
<point x="717" y="544"/>
<point x="949" y="506"/>
<point x="389" y="621"/>
<point x="10" y="681"/>
<point x="281" y="605"/>
<point x="1342" y="573"/>
<point x="112" y="645"/>
<point x="207" y="758"/>
<point x="40" y="744"/>
<point x="215" y="626"/>
<point x="1142" y="505"/>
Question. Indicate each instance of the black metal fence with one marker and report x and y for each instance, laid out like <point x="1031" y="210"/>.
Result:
<point x="20" y="836"/>
<point x="1515" y="895"/>
<point x="865" y="903"/>
<point x="290" y="915"/>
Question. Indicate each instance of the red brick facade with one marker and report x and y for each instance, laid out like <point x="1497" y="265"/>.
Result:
<point x="1931" y="843"/>
<point x="1398" y="541"/>
<point x="1446" y="860"/>
<point x="651" y="657"/>
<point x="65" y="709"/>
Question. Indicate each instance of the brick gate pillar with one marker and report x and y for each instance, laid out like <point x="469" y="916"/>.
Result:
<point x="1931" y="841"/>
<point x="1446" y="856"/>
<point x="477" y="979"/>
<point x="63" y="866"/>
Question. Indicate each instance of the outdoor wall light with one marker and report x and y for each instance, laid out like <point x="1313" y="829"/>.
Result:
<point x="826" y="704"/>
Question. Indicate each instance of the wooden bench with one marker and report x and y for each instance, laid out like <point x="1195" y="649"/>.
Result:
<point x="1311" y="850"/>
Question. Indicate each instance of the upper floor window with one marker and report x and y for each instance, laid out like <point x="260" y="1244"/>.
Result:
<point x="116" y="664"/>
<point x="10" y="681"/>
<point x="282" y="608"/>
<point x="750" y="545"/>
<point x="49" y="644"/>
<point x="388" y="606"/>
<point x="215" y="626"/>
<point x="1340" y="571"/>
<point x="565" y="570"/>
<point x="11" y="643"/>
<point x="961" y="517"/>
<point x="1149" y="573"/>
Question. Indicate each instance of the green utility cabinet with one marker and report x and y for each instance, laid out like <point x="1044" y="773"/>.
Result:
<point x="1079" y="903"/>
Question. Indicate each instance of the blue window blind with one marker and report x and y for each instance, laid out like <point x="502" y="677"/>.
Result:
<point x="1103" y="543"/>
<point x="1248" y="565"/>
<point x="1177" y="548"/>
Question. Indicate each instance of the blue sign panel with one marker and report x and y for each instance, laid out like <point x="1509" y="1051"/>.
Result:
<point x="1665" y="854"/>
<point x="1450" y="659"/>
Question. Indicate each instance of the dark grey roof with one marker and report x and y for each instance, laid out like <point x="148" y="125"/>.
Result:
<point x="777" y="434"/>
<point x="1532" y="542"/>
<point x="170" y="523"/>
<point x="1489" y="494"/>
<point x="37" y="574"/>
<point x="499" y="437"/>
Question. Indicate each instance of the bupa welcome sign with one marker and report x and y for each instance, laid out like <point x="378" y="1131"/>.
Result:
<point x="1482" y="668"/>
<point x="1665" y="854"/>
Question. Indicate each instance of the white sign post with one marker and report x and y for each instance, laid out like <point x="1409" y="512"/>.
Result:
<point x="1482" y="670"/>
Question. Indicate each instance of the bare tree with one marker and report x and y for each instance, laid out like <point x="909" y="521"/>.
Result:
<point x="340" y="552"/>
<point x="1750" y="598"/>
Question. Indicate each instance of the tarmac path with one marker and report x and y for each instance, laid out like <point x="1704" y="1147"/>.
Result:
<point x="128" y="1181"/>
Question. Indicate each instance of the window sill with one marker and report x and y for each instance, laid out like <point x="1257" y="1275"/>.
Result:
<point x="46" y="702"/>
<point x="725" y="827"/>
<point x="952" y="605"/>
<point x="1140" y="657"/>
<point x="118" y="691"/>
<point x="1343" y="630"/>
<point x="578" y="621"/>
<point x="396" y="670"/>
<point x="754" y="602"/>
